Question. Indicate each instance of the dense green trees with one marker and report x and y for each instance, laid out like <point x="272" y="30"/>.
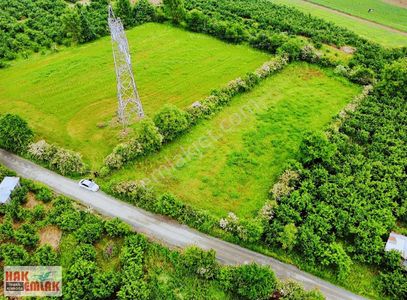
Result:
<point x="15" y="134"/>
<point x="32" y="26"/>
<point x="352" y="186"/>
<point x="171" y="121"/>
<point x="175" y="9"/>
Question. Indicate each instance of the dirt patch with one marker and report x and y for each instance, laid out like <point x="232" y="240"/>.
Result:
<point x="50" y="235"/>
<point x="401" y="3"/>
<point x="31" y="201"/>
<point x="347" y="49"/>
<point x="311" y="73"/>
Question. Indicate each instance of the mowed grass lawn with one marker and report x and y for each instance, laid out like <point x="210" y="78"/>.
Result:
<point x="383" y="12"/>
<point x="229" y="163"/>
<point x="64" y="96"/>
<point x="368" y="31"/>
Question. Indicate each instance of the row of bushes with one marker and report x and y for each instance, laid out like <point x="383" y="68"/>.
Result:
<point x="138" y="193"/>
<point x="64" y="161"/>
<point x="171" y="121"/>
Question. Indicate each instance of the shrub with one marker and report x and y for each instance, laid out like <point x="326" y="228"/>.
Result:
<point x="200" y="262"/>
<point x="168" y="205"/>
<point x="288" y="237"/>
<point x="175" y="10"/>
<point x="15" y="134"/>
<point x="19" y="195"/>
<point x="335" y="256"/>
<point x="131" y="259"/>
<point x="67" y="162"/>
<point x="171" y="121"/>
<point x="6" y="229"/>
<point x="149" y="136"/>
<point x="44" y="194"/>
<point x="394" y="284"/>
<point x="38" y="212"/>
<point x="292" y="48"/>
<point x="392" y="260"/>
<point x="362" y="75"/>
<point x="245" y="230"/>
<point x="27" y="235"/>
<point x="315" y="147"/>
<point x="105" y="284"/>
<point x="14" y="255"/>
<point x="116" y="228"/>
<point x="85" y="252"/>
<point x="270" y="42"/>
<point x="285" y="184"/>
<point x="135" y="192"/>
<point x="249" y="281"/>
<point x="45" y="256"/>
<point x="80" y="274"/>
<point x="63" y="161"/>
<point x="5" y="172"/>
<point x="89" y="232"/>
<point x="309" y="54"/>
<point x="143" y="12"/>
<point x="292" y="290"/>
<point x="114" y="161"/>
<point x="42" y="151"/>
<point x="197" y="21"/>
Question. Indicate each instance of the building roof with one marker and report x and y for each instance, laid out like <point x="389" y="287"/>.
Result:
<point x="397" y="242"/>
<point x="6" y="187"/>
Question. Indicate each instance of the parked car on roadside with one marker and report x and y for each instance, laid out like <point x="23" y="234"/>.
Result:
<point x="89" y="184"/>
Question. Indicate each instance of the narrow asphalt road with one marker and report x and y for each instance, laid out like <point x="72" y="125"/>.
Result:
<point x="166" y="231"/>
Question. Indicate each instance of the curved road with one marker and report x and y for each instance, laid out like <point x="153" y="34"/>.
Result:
<point x="164" y="230"/>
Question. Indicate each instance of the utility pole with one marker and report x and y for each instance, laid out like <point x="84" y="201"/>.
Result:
<point x="128" y="97"/>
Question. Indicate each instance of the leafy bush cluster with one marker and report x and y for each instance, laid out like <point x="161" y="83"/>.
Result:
<point x="137" y="192"/>
<point x="352" y="186"/>
<point x="63" y="161"/>
<point x="246" y="230"/>
<point x="15" y="134"/>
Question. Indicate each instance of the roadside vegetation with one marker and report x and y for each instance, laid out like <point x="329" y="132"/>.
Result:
<point x="105" y="259"/>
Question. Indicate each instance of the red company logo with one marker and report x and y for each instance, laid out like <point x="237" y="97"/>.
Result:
<point x="32" y="281"/>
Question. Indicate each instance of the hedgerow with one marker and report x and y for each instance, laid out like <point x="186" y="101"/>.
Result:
<point x="64" y="161"/>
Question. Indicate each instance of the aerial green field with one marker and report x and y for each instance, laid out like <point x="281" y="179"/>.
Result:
<point x="383" y="12"/>
<point x="69" y="97"/>
<point x="368" y="31"/>
<point x="228" y="163"/>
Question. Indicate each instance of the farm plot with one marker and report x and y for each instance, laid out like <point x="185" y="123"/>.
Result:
<point x="228" y="163"/>
<point x="383" y="12"/>
<point x="369" y="31"/>
<point x="69" y="98"/>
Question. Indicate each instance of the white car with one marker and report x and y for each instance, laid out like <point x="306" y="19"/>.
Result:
<point x="89" y="185"/>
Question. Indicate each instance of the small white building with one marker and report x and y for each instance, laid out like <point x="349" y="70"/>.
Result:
<point x="7" y="186"/>
<point x="398" y="242"/>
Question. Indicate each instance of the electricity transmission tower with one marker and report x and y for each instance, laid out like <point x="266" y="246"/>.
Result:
<point x="129" y="100"/>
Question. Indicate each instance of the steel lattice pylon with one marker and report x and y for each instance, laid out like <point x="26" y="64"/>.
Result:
<point x="129" y="100"/>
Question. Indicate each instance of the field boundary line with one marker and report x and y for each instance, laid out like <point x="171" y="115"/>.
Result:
<point x="351" y="16"/>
